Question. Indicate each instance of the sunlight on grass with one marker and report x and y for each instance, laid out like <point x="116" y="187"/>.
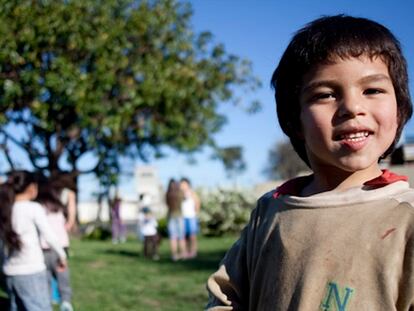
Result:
<point x="117" y="277"/>
<point x="107" y="277"/>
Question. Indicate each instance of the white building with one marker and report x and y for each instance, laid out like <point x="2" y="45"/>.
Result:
<point x="147" y="183"/>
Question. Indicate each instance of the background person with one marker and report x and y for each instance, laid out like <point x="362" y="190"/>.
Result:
<point x="176" y="230"/>
<point x="49" y="198"/>
<point x="190" y="208"/>
<point x="64" y="186"/>
<point x="118" y="227"/>
<point x="149" y="232"/>
<point x="21" y="221"/>
<point x="144" y="201"/>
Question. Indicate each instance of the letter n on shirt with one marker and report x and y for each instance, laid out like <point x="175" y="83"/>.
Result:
<point x="336" y="299"/>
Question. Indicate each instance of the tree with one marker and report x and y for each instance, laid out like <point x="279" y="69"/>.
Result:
<point x="232" y="158"/>
<point x="283" y="162"/>
<point x="111" y="78"/>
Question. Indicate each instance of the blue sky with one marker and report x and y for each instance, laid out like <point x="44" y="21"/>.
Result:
<point x="259" y="31"/>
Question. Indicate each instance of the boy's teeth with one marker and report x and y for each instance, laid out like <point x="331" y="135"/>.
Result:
<point x="355" y="136"/>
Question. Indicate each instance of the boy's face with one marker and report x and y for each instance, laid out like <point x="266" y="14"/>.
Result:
<point x="348" y="114"/>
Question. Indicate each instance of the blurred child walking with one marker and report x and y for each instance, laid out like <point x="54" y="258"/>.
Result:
<point x="49" y="198"/>
<point x="21" y="221"/>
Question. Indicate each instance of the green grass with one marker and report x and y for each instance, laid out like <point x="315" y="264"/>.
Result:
<point x="108" y="277"/>
<point x="117" y="277"/>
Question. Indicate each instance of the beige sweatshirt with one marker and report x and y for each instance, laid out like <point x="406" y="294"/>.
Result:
<point x="350" y="250"/>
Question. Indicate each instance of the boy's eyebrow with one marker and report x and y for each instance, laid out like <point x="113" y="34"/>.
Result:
<point x="332" y="83"/>
<point x="316" y="84"/>
<point x="375" y="78"/>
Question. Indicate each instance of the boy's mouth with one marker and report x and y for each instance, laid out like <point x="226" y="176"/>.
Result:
<point x="354" y="136"/>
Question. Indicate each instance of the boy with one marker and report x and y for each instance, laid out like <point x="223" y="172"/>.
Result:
<point x="341" y="238"/>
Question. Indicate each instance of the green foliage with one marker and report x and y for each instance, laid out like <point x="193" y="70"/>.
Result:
<point x="225" y="211"/>
<point x="112" y="79"/>
<point x="163" y="227"/>
<point x="100" y="232"/>
<point x="232" y="158"/>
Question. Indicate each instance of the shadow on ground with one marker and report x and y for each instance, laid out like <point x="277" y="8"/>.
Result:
<point x="122" y="252"/>
<point x="206" y="260"/>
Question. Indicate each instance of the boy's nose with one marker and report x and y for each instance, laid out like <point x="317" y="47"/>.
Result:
<point x="350" y="106"/>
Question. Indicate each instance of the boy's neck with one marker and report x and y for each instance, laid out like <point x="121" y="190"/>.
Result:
<point x="339" y="181"/>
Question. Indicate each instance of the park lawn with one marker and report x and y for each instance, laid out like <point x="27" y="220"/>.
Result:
<point x="107" y="277"/>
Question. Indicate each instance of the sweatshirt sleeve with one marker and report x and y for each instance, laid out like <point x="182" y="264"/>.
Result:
<point x="229" y="286"/>
<point x="46" y="231"/>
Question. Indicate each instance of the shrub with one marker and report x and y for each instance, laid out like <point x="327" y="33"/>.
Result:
<point x="163" y="227"/>
<point x="97" y="232"/>
<point x="225" y="211"/>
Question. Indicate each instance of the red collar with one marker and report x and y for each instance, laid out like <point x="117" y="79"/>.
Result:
<point x="295" y="186"/>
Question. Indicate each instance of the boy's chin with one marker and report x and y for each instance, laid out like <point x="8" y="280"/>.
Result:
<point x="358" y="165"/>
<point x="348" y="166"/>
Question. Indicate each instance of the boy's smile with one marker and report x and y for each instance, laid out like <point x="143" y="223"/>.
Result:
<point x="348" y="116"/>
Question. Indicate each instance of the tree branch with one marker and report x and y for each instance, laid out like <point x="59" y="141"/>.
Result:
<point x="5" y="149"/>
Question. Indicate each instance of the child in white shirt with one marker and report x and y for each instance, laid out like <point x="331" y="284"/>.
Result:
<point x="148" y="229"/>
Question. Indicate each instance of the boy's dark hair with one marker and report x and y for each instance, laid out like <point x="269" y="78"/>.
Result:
<point x="323" y="40"/>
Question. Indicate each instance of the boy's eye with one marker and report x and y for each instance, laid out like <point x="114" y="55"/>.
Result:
<point x="373" y="91"/>
<point x="322" y="96"/>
